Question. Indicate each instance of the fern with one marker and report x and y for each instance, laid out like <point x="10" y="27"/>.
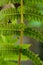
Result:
<point x="13" y="11"/>
<point x="33" y="2"/>
<point x="31" y="14"/>
<point x="7" y="12"/>
<point x="33" y="57"/>
<point x="33" y="33"/>
<point x="18" y="1"/>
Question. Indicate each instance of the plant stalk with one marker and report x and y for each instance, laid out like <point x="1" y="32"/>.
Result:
<point x="21" y="36"/>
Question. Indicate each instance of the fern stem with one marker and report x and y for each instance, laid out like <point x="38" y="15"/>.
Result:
<point x="21" y="36"/>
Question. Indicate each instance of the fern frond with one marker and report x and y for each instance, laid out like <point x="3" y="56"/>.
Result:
<point x="7" y="39"/>
<point x="28" y="31"/>
<point x="33" y="33"/>
<point x="3" y="62"/>
<point x="33" y="57"/>
<point x="31" y="13"/>
<point x="34" y="14"/>
<point x="27" y="2"/>
<point x="4" y="2"/>
<point x="11" y="52"/>
<point x="7" y="12"/>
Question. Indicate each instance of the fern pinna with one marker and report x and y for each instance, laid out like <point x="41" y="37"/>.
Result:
<point x="13" y="14"/>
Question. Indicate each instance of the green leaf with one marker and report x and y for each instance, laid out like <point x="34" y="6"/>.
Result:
<point x="7" y="12"/>
<point x="14" y="21"/>
<point x="9" y="53"/>
<point x="33" y="33"/>
<point x="14" y="57"/>
<point x="3" y="38"/>
<point x="26" y="54"/>
<point x="11" y="63"/>
<point x="4" y="62"/>
<point x="32" y="56"/>
<point x="8" y="39"/>
<point x="25" y="46"/>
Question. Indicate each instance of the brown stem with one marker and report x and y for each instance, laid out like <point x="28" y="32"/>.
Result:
<point x="21" y="36"/>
